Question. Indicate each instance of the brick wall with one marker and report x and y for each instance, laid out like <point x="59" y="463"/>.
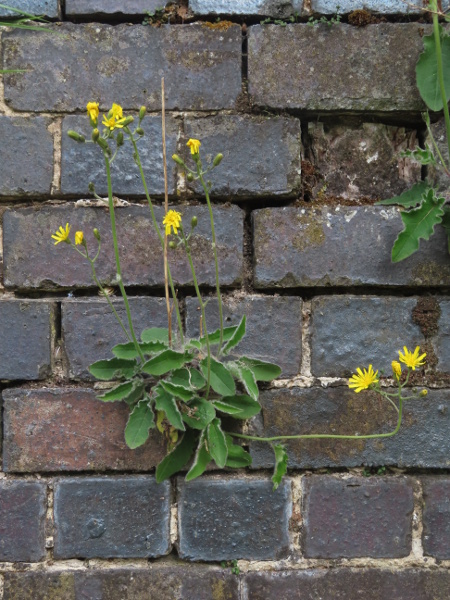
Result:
<point x="311" y="122"/>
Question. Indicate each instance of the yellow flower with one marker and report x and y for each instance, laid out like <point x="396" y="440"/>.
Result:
<point x="194" y="145"/>
<point x="396" y="369"/>
<point x="92" y="109"/>
<point x="62" y="235"/>
<point x="363" y="380"/>
<point x="116" y="111"/>
<point x="411" y="359"/>
<point x="172" y="219"/>
<point x="112" y="123"/>
<point x="79" y="237"/>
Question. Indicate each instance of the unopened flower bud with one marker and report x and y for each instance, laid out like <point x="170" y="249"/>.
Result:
<point x="190" y="177"/>
<point x="103" y="145"/>
<point x="423" y="393"/>
<point x="96" y="233"/>
<point x="95" y="134"/>
<point x="76" y="136"/>
<point x="194" y="222"/>
<point x="91" y="187"/>
<point x="79" y="238"/>
<point x="140" y="131"/>
<point x="119" y="138"/>
<point x="217" y="160"/>
<point x="178" y="159"/>
<point x="172" y="245"/>
<point x="142" y="112"/>
<point x="126" y="121"/>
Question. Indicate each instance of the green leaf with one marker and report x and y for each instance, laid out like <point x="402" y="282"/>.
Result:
<point x="236" y="337"/>
<point x="180" y="455"/>
<point x="427" y="73"/>
<point x="190" y="379"/>
<point x="194" y="344"/>
<point x="156" y="334"/>
<point x="237" y="456"/>
<point x="410" y="198"/>
<point x="177" y="390"/>
<point x="129" y="391"/>
<point x="202" y="459"/>
<point x="112" y="368"/>
<point x="238" y="407"/>
<point x="164" y="362"/>
<point x="419" y="224"/>
<point x="140" y="422"/>
<point x="217" y="444"/>
<point x="200" y="413"/>
<point x="214" y="337"/>
<point x="263" y="371"/>
<point x="129" y="351"/>
<point x="221" y="380"/>
<point x="167" y="403"/>
<point x="281" y="460"/>
<point x="247" y="377"/>
<point x="424" y="156"/>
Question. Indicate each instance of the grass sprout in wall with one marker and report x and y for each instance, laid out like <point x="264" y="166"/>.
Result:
<point x="185" y="388"/>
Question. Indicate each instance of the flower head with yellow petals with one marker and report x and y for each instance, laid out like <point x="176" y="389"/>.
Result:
<point x="396" y="369"/>
<point x="92" y="110"/>
<point x="194" y="145"/>
<point x="62" y="235"/>
<point x="112" y="122"/>
<point x="411" y="359"/>
<point x="116" y="111"/>
<point x="363" y="380"/>
<point x="79" y="238"/>
<point x="172" y="219"/>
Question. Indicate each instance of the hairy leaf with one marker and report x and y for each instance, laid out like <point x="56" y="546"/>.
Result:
<point x="281" y="460"/>
<point x="237" y="456"/>
<point x="129" y="351"/>
<point x="177" y="390"/>
<point x="199" y="413"/>
<point x="410" y="198"/>
<point x="180" y="455"/>
<point x="427" y="74"/>
<point x="424" y="156"/>
<point x="140" y="422"/>
<point x="221" y="380"/>
<point x="247" y="377"/>
<point x="189" y="378"/>
<point x="238" y="407"/>
<point x="112" y="368"/>
<point x="217" y="444"/>
<point x="130" y="391"/>
<point x="166" y="402"/>
<point x="236" y="337"/>
<point x="263" y="371"/>
<point x="201" y="460"/>
<point x="164" y="362"/>
<point x="156" y="334"/>
<point x="214" y="337"/>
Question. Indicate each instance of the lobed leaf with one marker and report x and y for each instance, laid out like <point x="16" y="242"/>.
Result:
<point x="180" y="455"/>
<point x="113" y="368"/>
<point x="237" y="456"/>
<point x="140" y="421"/>
<point x="281" y="460"/>
<point x="408" y="199"/>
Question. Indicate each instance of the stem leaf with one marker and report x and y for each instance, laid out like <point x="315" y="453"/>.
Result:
<point x="427" y="72"/>
<point x="281" y="460"/>
<point x="237" y="456"/>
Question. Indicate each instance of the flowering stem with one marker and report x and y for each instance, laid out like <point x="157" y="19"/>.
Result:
<point x="202" y="307"/>
<point x="117" y="257"/>
<point x="161" y="238"/>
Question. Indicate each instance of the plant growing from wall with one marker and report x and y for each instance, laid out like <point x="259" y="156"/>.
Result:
<point x="185" y="388"/>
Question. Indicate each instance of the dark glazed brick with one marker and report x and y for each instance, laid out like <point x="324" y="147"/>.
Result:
<point x="49" y="8"/>
<point x="341" y="68"/>
<point x="70" y="430"/>
<point x="299" y="247"/>
<point x="82" y="163"/>
<point x="422" y="441"/>
<point x="442" y="339"/>
<point x="141" y="253"/>
<point x="79" y="8"/>
<point x="232" y="519"/>
<point x="349" y="584"/>
<point x="201" y="67"/>
<point x="90" y="329"/>
<point x="352" y="331"/>
<point x="348" y="518"/>
<point x="173" y="582"/>
<point x="26" y="142"/>
<point x="261" y="155"/>
<point x="436" y="517"/>
<point x="120" y="517"/>
<point x="25" y="341"/>
<point x="273" y="327"/>
<point x="23" y="505"/>
<point x="362" y="161"/>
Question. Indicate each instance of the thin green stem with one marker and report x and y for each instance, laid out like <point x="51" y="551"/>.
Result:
<point x="117" y="257"/>
<point x="160" y="236"/>
<point x="440" y="70"/>
<point x="438" y="152"/>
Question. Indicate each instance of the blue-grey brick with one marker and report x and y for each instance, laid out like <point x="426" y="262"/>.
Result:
<point x="422" y="441"/>
<point x="349" y="518"/>
<point x="141" y="253"/>
<point x="351" y="331"/>
<point x="436" y="517"/>
<point x="271" y="8"/>
<point x="106" y="64"/>
<point x="49" y="8"/>
<point x="340" y="246"/>
<point x="25" y="341"/>
<point x="82" y="163"/>
<point x="232" y="519"/>
<point x="442" y="340"/>
<point x="362" y="161"/>
<point x="384" y="7"/>
<point x="26" y="156"/>
<point x="23" y="505"/>
<point x="261" y="155"/>
<point x="341" y="68"/>
<point x="92" y="326"/>
<point x="273" y="327"/>
<point x="115" y="517"/>
<point x="84" y="8"/>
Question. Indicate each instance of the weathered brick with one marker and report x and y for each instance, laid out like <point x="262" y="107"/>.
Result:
<point x="436" y="517"/>
<point x="83" y="8"/>
<point x="336" y="68"/>
<point x="172" y="582"/>
<point x="303" y="247"/>
<point x="26" y="156"/>
<point x="231" y="519"/>
<point x="141" y="253"/>
<point x="70" y="430"/>
<point x="82" y="163"/>
<point x="348" y="518"/>
<point x="49" y="8"/>
<point x="357" y="584"/>
<point x="23" y="506"/>
<point x="261" y="155"/>
<point x="442" y="340"/>
<point x="384" y="7"/>
<point x="273" y="327"/>
<point x="25" y="342"/>
<point x="421" y="442"/>
<point x="120" y="517"/>
<point x="350" y="331"/>
<point x="272" y="8"/>
<point x="90" y="329"/>
<point x="201" y="66"/>
<point x="362" y="161"/>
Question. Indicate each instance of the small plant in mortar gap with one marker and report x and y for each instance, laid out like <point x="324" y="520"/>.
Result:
<point x="186" y="387"/>
<point x="424" y="207"/>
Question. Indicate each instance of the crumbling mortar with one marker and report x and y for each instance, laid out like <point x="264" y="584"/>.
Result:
<point x="296" y="521"/>
<point x="49" y="524"/>
<point x="305" y="368"/>
<point x="417" y="521"/>
<point x="55" y="128"/>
